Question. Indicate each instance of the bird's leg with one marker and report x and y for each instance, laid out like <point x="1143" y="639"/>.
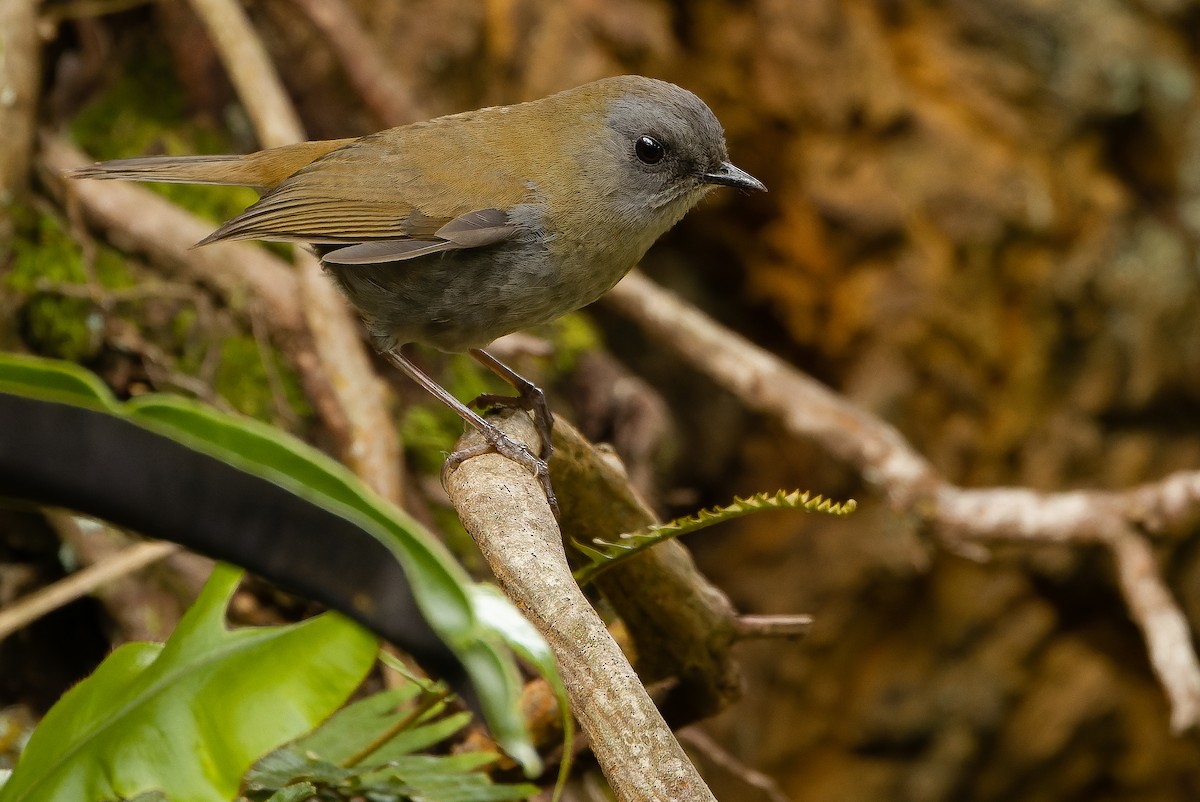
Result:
<point x="529" y="397"/>
<point x="497" y="441"/>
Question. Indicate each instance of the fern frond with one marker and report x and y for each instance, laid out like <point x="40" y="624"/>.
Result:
<point x="603" y="554"/>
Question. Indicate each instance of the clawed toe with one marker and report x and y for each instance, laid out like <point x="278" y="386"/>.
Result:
<point x="500" y="443"/>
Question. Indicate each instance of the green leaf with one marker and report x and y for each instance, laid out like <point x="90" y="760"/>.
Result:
<point x="368" y="749"/>
<point x="514" y="629"/>
<point x="294" y="793"/>
<point x="406" y="717"/>
<point x="188" y="718"/>
<point x="604" y="554"/>
<point x="54" y="380"/>
<point x="440" y="585"/>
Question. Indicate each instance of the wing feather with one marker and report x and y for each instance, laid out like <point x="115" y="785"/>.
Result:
<point x="370" y="197"/>
<point x="387" y="250"/>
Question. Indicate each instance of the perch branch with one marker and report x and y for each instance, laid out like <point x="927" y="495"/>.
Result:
<point x="505" y="510"/>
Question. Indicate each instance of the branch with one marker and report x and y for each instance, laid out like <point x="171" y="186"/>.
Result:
<point x="1168" y="637"/>
<point x="791" y="627"/>
<point x="958" y="518"/>
<point x="44" y="601"/>
<point x="250" y="69"/>
<point x="381" y="88"/>
<point x="505" y="510"/>
<point x="20" y="69"/>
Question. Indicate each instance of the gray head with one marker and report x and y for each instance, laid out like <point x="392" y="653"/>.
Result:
<point x="664" y="148"/>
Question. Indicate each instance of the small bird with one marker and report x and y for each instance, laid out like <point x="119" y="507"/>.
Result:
<point x="459" y="230"/>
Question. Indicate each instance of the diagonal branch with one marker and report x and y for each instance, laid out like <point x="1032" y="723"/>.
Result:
<point x="504" y="508"/>
<point x="958" y="518"/>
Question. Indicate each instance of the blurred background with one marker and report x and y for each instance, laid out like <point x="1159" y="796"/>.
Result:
<point x="982" y="226"/>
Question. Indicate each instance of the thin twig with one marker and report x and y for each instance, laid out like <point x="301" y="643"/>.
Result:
<point x="773" y="626"/>
<point x="715" y="754"/>
<point x="28" y="609"/>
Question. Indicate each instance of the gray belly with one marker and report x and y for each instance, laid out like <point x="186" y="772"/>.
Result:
<point x="465" y="299"/>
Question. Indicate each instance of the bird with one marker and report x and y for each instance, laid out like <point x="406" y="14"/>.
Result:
<point x="458" y="230"/>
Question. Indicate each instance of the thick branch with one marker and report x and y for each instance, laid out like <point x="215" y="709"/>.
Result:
<point x="505" y="510"/>
<point x="682" y="626"/>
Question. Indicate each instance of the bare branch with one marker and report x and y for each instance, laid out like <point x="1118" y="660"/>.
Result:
<point x="769" y="385"/>
<point x="381" y="88"/>
<point x="959" y="518"/>
<point x="503" y="507"/>
<point x="26" y="610"/>
<point x="773" y="626"/>
<point x="714" y="758"/>
<point x="1168" y="637"/>
<point x="20" y="69"/>
<point x="249" y="67"/>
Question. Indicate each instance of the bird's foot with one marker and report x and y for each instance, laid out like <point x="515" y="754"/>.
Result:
<point x="500" y="443"/>
<point x="532" y="400"/>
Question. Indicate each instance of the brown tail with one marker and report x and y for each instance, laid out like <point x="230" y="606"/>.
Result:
<point x="263" y="169"/>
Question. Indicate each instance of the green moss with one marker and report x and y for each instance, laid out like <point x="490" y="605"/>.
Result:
<point x="241" y="379"/>
<point x="572" y="335"/>
<point x="44" y="258"/>
<point x="67" y="328"/>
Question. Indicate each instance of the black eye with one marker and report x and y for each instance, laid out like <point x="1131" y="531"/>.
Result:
<point x="649" y="150"/>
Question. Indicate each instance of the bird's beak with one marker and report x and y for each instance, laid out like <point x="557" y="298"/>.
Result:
<point x="729" y="176"/>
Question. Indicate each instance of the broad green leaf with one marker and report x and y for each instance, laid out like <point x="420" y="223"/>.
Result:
<point x="189" y="717"/>
<point x="439" y="583"/>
